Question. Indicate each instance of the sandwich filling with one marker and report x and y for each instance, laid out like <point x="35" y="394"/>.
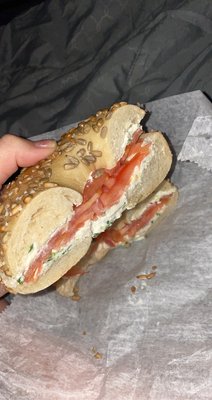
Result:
<point x="115" y="236"/>
<point x="120" y="234"/>
<point x="103" y="190"/>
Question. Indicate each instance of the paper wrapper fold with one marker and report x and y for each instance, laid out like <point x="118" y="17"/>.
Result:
<point x="153" y="342"/>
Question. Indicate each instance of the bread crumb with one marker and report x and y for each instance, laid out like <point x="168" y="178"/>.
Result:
<point x="98" y="355"/>
<point x="146" y="276"/>
<point x="133" y="289"/>
<point x="75" y="297"/>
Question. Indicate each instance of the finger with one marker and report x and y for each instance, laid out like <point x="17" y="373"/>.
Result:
<point x="17" y="152"/>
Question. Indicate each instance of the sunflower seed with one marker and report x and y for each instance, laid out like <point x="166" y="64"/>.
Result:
<point x="73" y="160"/>
<point x="69" y="166"/>
<point x="90" y="158"/>
<point x="96" y="128"/>
<point x="103" y="132"/>
<point x="49" y="185"/>
<point x="16" y="209"/>
<point x="64" y="146"/>
<point x="100" y="122"/>
<point x="90" y="146"/>
<point x="109" y="115"/>
<point x="81" y="152"/>
<point x="96" y="153"/>
<point x="87" y="128"/>
<point x="81" y="141"/>
<point x="99" y="172"/>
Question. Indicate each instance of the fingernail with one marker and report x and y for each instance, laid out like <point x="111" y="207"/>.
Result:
<point x="46" y="144"/>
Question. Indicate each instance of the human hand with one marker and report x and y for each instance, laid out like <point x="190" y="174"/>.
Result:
<point x="16" y="152"/>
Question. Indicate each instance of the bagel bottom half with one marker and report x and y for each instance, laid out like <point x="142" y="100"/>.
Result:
<point x="66" y="286"/>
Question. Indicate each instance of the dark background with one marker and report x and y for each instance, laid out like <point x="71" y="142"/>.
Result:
<point x="12" y="8"/>
<point x="61" y="60"/>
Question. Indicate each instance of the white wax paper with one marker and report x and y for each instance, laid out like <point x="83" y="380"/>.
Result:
<point x="156" y="343"/>
<point x="198" y="144"/>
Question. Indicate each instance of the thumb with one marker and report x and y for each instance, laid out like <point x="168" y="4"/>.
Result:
<point x="16" y="152"/>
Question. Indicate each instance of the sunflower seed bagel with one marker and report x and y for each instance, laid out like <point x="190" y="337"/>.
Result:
<point x="43" y="198"/>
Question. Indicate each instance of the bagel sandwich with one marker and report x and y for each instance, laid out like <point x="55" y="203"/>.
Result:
<point x="51" y="212"/>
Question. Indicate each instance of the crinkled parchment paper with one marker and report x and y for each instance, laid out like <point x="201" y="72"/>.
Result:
<point x="153" y="343"/>
<point x="198" y="144"/>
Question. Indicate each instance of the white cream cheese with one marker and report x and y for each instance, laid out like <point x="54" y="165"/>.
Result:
<point x="129" y="132"/>
<point x="141" y="208"/>
<point x="109" y="216"/>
